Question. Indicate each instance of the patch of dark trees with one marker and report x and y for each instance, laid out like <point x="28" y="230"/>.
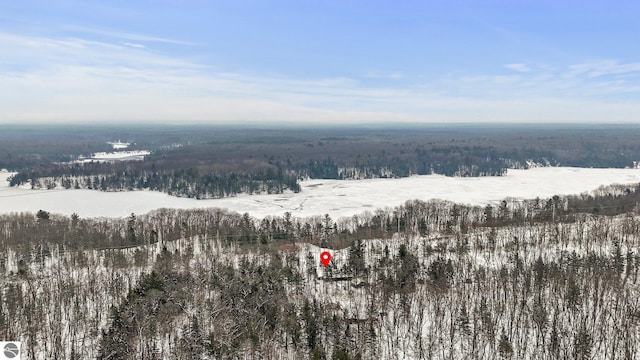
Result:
<point x="192" y="182"/>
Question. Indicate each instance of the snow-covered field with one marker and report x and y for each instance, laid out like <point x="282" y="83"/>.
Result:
<point x="116" y="156"/>
<point x="334" y="197"/>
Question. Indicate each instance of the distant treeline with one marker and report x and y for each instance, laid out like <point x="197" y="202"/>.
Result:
<point x="224" y="162"/>
<point x="187" y="176"/>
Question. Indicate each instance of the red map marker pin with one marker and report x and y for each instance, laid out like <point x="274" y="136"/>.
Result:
<point x="325" y="257"/>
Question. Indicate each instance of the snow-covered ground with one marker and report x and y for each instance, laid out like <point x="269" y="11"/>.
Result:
<point x="121" y="155"/>
<point x="334" y="197"/>
<point x="116" y="156"/>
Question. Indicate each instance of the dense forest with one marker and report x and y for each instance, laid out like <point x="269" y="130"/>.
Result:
<point x="543" y="278"/>
<point x="213" y="162"/>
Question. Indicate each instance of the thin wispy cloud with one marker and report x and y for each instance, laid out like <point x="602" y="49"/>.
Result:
<point x="518" y="67"/>
<point x="134" y="45"/>
<point x="49" y="52"/>
<point x="605" y="67"/>
<point x="392" y="75"/>
<point x="75" y="79"/>
<point x="127" y="35"/>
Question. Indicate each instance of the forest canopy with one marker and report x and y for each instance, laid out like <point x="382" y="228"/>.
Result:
<point x="214" y="162"/>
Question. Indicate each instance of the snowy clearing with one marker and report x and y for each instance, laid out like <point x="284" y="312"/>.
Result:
<point x="116" y="156"/>
<point x="337" y="198"/>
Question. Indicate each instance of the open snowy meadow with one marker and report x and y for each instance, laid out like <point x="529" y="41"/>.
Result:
<point x="337" y="198"/>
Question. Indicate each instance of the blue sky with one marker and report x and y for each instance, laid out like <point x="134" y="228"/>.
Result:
<point x="319" y="61"/>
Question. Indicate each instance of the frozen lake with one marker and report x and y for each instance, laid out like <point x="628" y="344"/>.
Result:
<point x="334" y="197"/>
